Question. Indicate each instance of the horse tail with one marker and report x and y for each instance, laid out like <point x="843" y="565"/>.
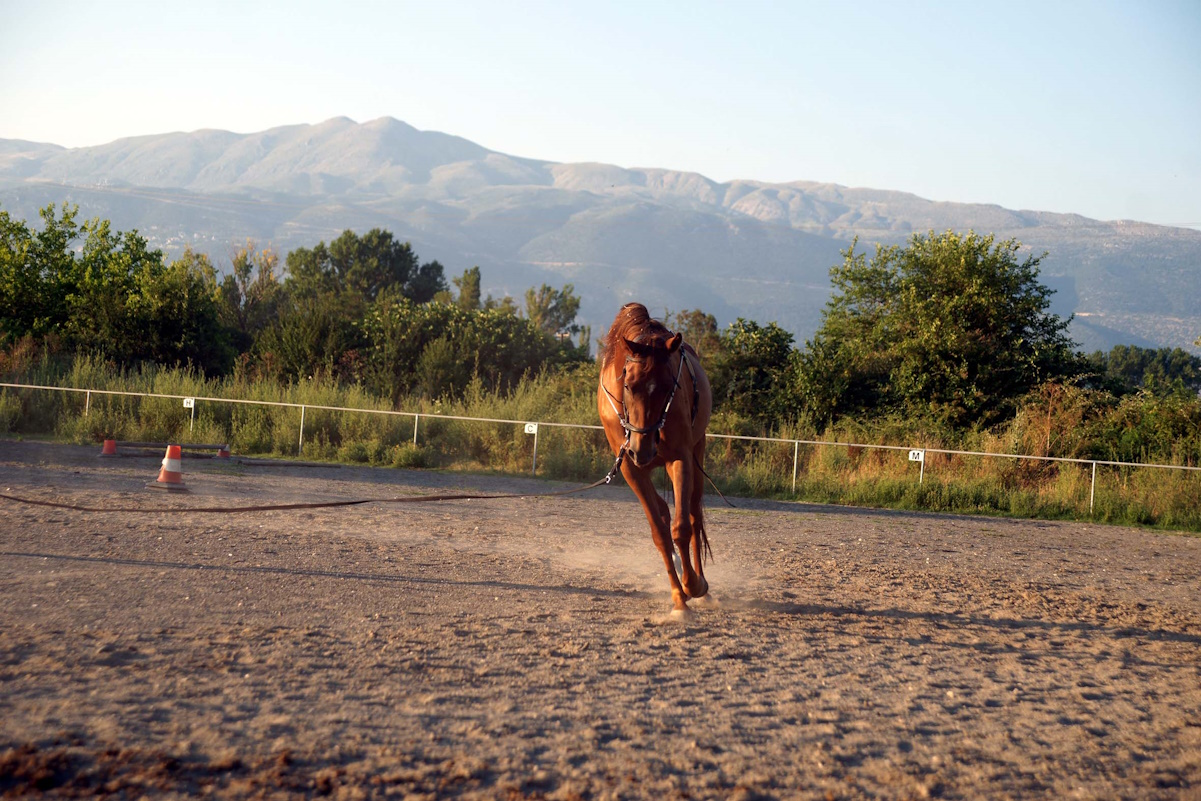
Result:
<point x="702" y="538"/>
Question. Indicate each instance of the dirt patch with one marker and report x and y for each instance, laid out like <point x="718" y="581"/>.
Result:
<point x="522" y="648"/>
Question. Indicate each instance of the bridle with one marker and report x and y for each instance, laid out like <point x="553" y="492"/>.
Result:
<point x="623" y="417"/>
<point x="657" y="427"/>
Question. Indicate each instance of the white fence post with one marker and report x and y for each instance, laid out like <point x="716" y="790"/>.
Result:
<point x="87" y="406"/>
<point x="300" y="445"/>
<point x="1092" y="491"/>
<point x="532" y="428"/>
<point x="416" y="420"/>
<point x="796" y="447"/>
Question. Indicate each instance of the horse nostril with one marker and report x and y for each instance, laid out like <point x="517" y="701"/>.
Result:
<point x="645" y="454"/>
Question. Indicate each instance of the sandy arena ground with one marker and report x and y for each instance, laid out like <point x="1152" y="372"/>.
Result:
<point x="523" y="648"/>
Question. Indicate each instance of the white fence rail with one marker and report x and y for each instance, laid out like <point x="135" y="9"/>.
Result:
<point x="916" y="454"/>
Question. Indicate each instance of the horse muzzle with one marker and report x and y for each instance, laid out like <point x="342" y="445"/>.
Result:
<point x="643" y="451"/>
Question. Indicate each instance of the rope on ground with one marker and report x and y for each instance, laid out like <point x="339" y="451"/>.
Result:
<point x="224" y="510"/>
<point x="288" y="506"/>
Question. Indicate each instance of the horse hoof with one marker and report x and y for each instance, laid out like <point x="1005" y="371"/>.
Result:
<point x="681" y="614"/>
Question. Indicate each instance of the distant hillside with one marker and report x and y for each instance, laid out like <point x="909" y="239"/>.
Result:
<point x="671" y="239"/>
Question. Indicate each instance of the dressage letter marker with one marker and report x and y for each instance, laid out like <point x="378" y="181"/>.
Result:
<point x="919" y="455"/>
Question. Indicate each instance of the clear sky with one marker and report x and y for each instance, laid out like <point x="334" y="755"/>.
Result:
<point x="1087" y="107"/>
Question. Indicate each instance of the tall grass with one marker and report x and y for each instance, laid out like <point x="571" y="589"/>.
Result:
<point x="833" y="473"/>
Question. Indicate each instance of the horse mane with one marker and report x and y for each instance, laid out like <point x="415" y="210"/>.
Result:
<point x="633" y="322"/>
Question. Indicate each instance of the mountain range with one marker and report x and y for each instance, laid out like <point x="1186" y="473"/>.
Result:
<point x="673" y="240"/>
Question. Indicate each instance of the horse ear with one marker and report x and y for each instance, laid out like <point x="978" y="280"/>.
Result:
<point x="639" y="349"/>
<point x="675" y="342"/>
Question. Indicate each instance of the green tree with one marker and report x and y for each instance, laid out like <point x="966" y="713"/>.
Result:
<point x="328" y="292"/>
<point x="115" y="296"/>
<point x="37" y="272"/>
<point x="107" y="302"/>
<point x="469" y="298"/>
<point x="311" y="336"/>
<point x="435" y="349"/>
<point x="362" y="267"/>
<point x="172" y="316"/>
<point x="469" y="289"/>
<point x="699" y="330"/>
<point x="553" y="310"/>
<point x="249" y="296"/>
<point x="505" y="305"/>
<point x="951" y="325"/>
<point x="442" y="369"/>
<point x="751" y="375"/>
<point x="1129" y="368"/>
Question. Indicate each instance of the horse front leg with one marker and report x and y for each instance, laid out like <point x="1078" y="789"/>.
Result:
<point x="683" y="477"/>
<point x="658" y="515"/>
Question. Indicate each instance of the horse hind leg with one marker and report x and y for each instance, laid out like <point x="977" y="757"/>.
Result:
<point x="701" y="552"/>
<point x="699" y="587"/>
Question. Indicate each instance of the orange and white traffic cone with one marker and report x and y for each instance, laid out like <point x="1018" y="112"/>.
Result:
<point x="223" y="452"/>
<point x="110" y="448"/>
<point x="170" y="477"/>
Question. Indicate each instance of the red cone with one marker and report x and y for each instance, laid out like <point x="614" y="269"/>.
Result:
<point x="170" y="477"/>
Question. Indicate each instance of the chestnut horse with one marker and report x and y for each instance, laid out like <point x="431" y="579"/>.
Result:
<point x="654" y="401"/>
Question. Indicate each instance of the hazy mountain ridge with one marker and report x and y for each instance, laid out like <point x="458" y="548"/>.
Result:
<point x="673" y="239"/>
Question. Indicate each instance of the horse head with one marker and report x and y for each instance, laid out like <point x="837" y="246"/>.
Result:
<point x="648" y="386"/>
